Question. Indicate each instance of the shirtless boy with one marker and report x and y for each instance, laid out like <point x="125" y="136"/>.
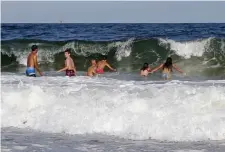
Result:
<point x="69" y="65"/>
<point x="32" y="63"/>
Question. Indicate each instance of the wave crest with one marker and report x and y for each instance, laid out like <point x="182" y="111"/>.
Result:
<point x="128" y="55"/>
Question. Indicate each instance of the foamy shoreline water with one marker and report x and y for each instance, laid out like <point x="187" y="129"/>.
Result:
<point x="14" y="139"/>
<point x="136" y="110"/>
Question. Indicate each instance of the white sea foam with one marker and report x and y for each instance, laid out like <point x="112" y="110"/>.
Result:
<point x="44" y="55"/>
<point x="188" y="48"/>
<point x="188" y="150"/>
<point x="129" y="109"/>
<point x="46" y="52"/>
<point x="124" y="49"/>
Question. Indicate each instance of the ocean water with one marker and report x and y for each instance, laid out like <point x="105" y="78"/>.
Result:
<point x="117" y="111"/>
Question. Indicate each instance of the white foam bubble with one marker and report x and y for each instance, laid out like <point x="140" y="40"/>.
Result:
<point x="222" y="47"/>
<point x="20" y="147"/>
<point x="188" y="48"/>
<point x="46" y="54"/>
<point x="123" y="49"/>
<point x="171" y="111"/>
<point x="189" y="150"/>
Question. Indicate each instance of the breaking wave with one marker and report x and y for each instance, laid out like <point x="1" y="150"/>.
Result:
<point x="203" y="55"/>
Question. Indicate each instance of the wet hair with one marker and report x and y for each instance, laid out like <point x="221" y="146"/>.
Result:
<point x="68" y="51"/>
<point x="93" y="60"/>
<point x="34" y="47"/>
<point x="145" y="66"/>
<point x="168" y="64"/>
<point x="104" y="57"/>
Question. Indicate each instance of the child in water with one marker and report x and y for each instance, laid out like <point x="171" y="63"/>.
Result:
<point x="92" y="69"/>
<point x="167" y="68"/>
<point x="145" y="70"/>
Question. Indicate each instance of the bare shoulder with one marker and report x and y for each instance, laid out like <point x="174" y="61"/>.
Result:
<point x="67" y="61"/>
<point x="71" y="60"/>
<point x="106" y="63"/>
<point x="34" y="56"/>
<point x="30" y="56"/>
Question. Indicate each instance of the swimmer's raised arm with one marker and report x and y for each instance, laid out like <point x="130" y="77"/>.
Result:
<point x="176" y="68"/>
<point x="110" y="67"/>
<point x="157" y="68"/>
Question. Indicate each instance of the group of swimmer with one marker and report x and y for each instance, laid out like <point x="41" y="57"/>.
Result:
<point x="69" y="68"/>
<point x="96" y="67"/>
<point x="167" y="69"/>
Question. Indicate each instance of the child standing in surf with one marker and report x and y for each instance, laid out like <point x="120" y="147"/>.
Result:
<point x="167" y="68"/>
<point x="32" y="62"/>
<point x="69" y="65"/>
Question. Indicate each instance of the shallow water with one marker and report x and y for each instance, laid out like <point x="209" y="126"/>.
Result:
<point x="14" y="140"/>
<point x="128" y="109"/>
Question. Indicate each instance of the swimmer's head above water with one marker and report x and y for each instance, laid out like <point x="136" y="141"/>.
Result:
<point x="104" y="58"/>
<point x="145" y="66"/>
<point x="34" y="49"/>
<point x="93" y="62"/>
<point x="168" y="64"/>
<point x="67" y="53"/>
<point x="145" y="69"/>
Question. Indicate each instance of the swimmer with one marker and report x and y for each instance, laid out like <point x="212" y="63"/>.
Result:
<point x="92" y="69"/>
<point x="32" y="63"/>
<point x="69" y="65"/>
<point x="145" y="70"/>
<point x="167" y="68"/>
<point x="101" y="65"/>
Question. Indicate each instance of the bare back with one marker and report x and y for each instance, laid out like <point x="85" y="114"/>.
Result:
<point x="144" y="72"/>
<point x="30" y="60"/>
<point x="166" y="70"/>
<point x="91" y="70"/>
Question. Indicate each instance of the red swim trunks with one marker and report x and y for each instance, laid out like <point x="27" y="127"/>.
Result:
<point x="70" y="73"/>
<point x="99" y="71"/>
